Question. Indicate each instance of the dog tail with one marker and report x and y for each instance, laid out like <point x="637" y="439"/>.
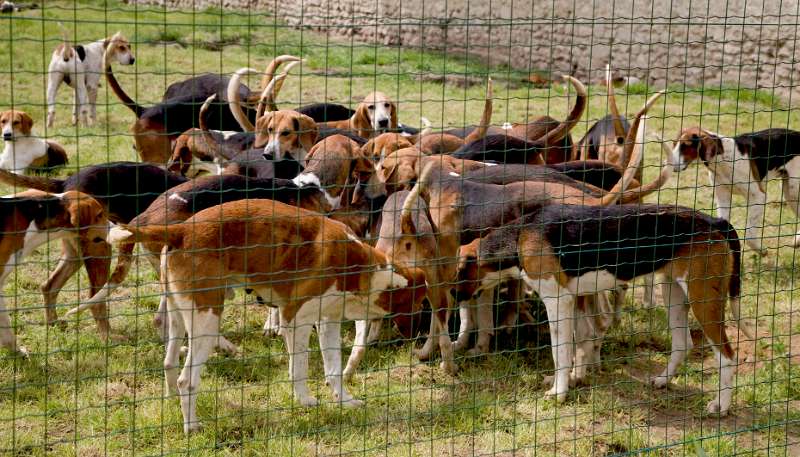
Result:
<point x="631" y="153"/>
<point x="114" y="84"/>
<point x="407" y="226"/>
<point x="486" y="117"/>
<point x="572" y="119"/>
<point x="124" y="262"/>
<point x="616" y="119"/>
<point x="66" y="49"/>
<point x="213" y="146"/>
<point x="735" y="284"/>
<point x="19" y="181"/>
<point x="234" y="103"/>
<point x="170" y="235"/>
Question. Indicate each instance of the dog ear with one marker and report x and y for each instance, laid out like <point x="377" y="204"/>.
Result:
<point x="307" y="131"/>
<point x="708" y="146"/>
<point x="83" y="210"/>
<point x="368" y="150"/>
<point x="262" y="135"/>
<point x="393" y="109"/>
<point x="26" y="123"/>
<point x="361" y="121"/>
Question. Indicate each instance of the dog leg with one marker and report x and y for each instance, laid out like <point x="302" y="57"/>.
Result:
<point x="560" y="305"/>
<point x="92" y="93"/>
<point x="375" y="329"/>
<point x="67" y="266"/>
<point x="272" y="326"/>
<point x="467" y="323"/>
<point x="7" y="338"/>
<point x="97" y="261"/>
<point x="431" y="342"/>
<point x="54" y="79"/>
<point x="675" y="296"/>
<point x="203" y="333"/>
<point x="82" y="99"/>
<point x="485" y="319"/>
<point x="330" y="343"/>
<point x="177" y="332"/>
<point x="359" y="348"/>
<point x="756" y="202"/>
<point x="585" y="337"/>
<point x="296" y="334"/>
<point x="440" y="315"/>
<point x="791" y="194"/>
<point x="159" y="319"/>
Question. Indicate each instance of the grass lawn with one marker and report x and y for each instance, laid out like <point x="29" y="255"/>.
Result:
<point x="79" y="395"/>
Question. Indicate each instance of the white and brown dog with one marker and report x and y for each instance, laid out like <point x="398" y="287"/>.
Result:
<point x="81" y="68"/>
<point x="23" y="150"/>
<point x="33" y="218"/>
<point x="741" y="165"/>
<point x="313" y="268"/>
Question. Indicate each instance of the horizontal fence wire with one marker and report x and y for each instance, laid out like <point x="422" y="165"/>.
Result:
<point x="413" y="228"/>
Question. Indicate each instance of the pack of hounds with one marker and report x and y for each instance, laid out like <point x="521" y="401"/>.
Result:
<point x="328" y="214"/>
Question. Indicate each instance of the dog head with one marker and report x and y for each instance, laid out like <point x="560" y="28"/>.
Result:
<point x="404" y="301"/>
<point x="375" y="114"/>
<point x="399" y="169"/>
<point x="337" y="166"/>
<point x="86" y="215"/>
<point x="384" y="144"/>
<point x="285" y="132"/>
<point x="15" y="124"/>
<point x="469" y="272"/>
<point x="120" y="49"/>
<point x="694" y="143"/>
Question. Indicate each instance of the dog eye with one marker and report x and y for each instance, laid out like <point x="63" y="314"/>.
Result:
<point x="16" y="122"/>
<point x="385" y="105"/>
<point x="371" y="107"/>
<point x="285" y="133"/>
<point x="408" y="245"/>
<point x="97" y="239"/>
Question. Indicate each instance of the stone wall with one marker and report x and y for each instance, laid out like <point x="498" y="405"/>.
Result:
<point x="739" y="42"/>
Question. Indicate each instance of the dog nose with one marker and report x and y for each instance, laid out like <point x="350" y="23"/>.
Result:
<point x="383" y="123"/>
<point x="8" y="136"/>
<point x="133" y="60"/>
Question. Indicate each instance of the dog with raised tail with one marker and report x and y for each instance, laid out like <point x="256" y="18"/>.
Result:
<point x="313" y="268"/>
<point x="81" y="67"/>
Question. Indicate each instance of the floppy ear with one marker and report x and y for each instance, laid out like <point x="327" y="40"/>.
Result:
<point x="83" y="211"/>
<point x="393" y="115"/>
<point x="308" y="132"/>
<point x="361" y="121"/>
<point x="368" y="150"/>
<point x="262" y="136"/>
<point x="26" y="123"/>
<point x="708" y="146"/>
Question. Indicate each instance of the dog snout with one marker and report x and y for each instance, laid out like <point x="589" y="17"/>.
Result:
<point x="132" y="60"/>
<point x="8" y="136"/>
<point x="383" y="123"/>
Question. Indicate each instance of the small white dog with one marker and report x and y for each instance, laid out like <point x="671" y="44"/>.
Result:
<point x="22" y="149"/>
<point x="81" y="67"/>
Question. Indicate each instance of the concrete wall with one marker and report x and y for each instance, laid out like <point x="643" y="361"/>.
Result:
<point x="744" y="43"/>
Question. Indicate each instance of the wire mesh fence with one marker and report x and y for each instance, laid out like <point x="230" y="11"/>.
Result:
<point x="399" y="228"/>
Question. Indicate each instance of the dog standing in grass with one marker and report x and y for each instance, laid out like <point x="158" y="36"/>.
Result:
<point x="80" y="67"/>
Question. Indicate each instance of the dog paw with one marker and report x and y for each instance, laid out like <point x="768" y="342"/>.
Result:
<point x="553" y="393"/>
<point x="422" y="355"/>
<point x="716" y="409"/>
<point x="192" y="427"/>
<point x="351" y="403"/>
<point x="476" y="352"/>
<point x="449" y="367"/>
<point x="308" y="402"/>
<point x="659" y="381"/>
